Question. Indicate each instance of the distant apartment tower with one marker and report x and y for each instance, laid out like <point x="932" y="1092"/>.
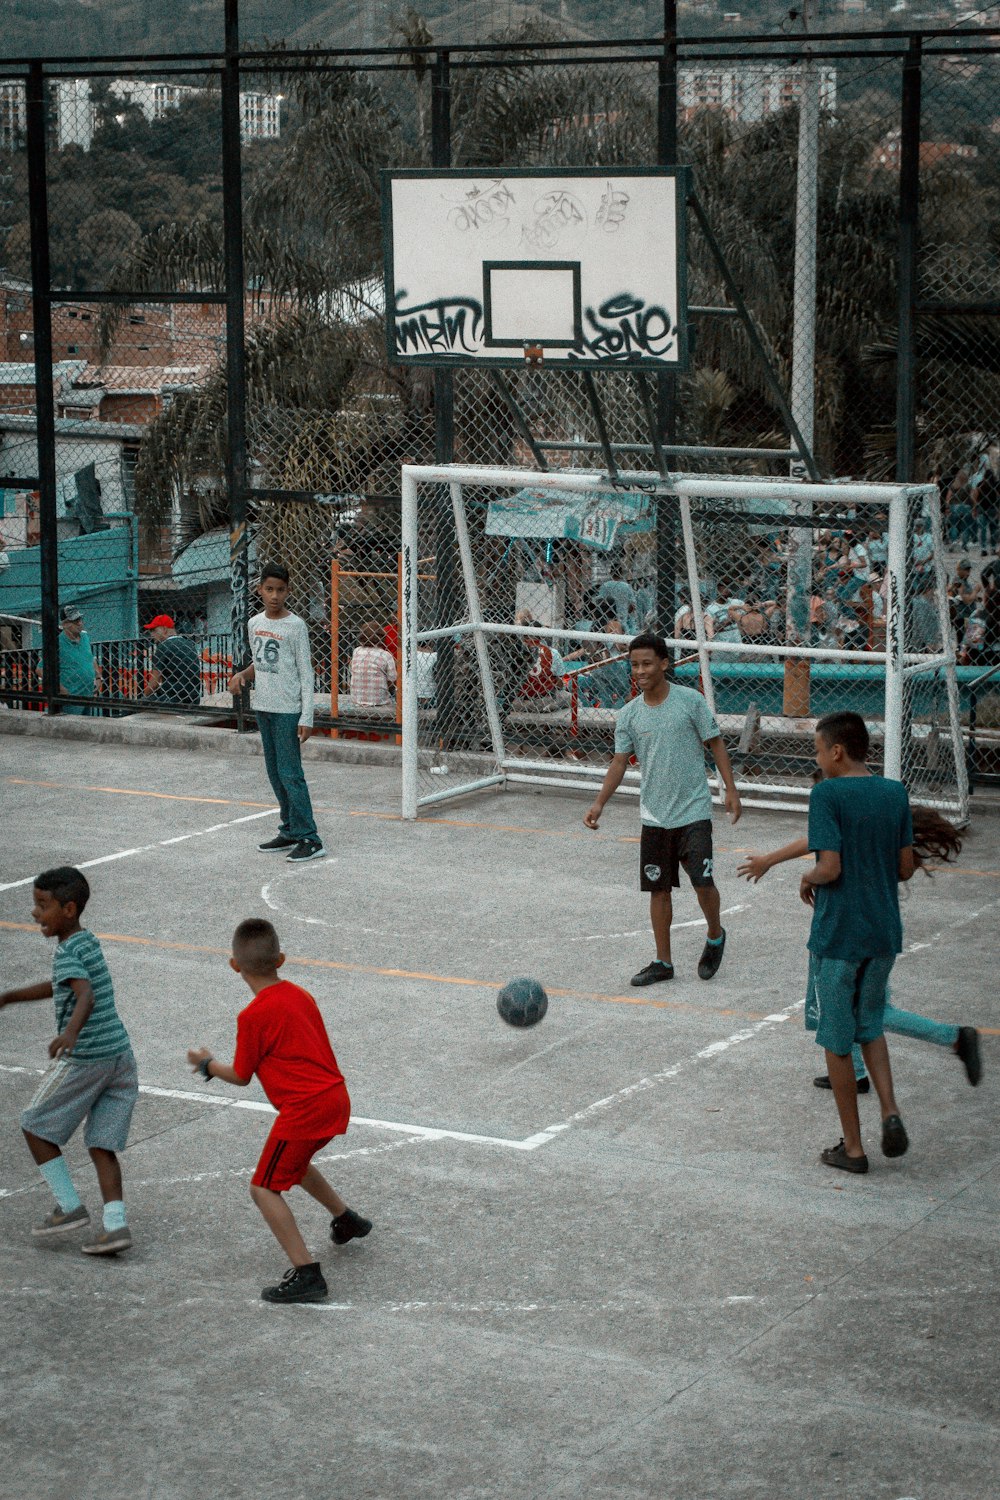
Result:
<point x="75" y="115"/>
<point x="747" y="92"/>
<point x="260" y="114"/>
<point x="13" y="114"/>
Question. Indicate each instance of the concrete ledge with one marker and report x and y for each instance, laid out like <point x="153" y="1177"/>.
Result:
<point x="173" y="733"/>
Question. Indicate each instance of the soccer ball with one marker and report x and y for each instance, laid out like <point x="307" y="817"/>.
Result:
<point x="522" y="1002"/>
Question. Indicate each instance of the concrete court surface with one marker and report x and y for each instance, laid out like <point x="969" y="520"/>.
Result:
<point x="606" y="1260"/>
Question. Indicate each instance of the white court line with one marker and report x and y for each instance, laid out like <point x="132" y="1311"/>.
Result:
<point x="714" y="1049"/>
<point x="260" y="1106"/>
<point x="438" y="1133"/>
<point x="198" y="833"/>
<point x="935" y="937"/>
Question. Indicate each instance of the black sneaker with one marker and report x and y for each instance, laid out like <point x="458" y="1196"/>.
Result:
<point x="280" y="841"/>
<point x="711" y="958"/>
<point x="653" y="973"/>
<point x="299" y="1284"/>
<point x="836" y="1156"/>
<point x="895" y="1141"/>
<point x="823" y="1082"/>
<point x="306" y="849"/>
<point x="968" y="1050"/>
<point x="349" y="1226"/>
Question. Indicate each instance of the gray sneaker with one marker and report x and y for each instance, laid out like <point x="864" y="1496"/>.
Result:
<point x="58" y="1222"/>
<point x="108" y="1242"/>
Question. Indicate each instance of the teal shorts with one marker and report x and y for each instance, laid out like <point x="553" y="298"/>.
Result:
<point x="846" y="1000"/>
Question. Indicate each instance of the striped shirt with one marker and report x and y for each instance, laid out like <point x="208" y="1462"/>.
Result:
<point x="102" y="1035"/>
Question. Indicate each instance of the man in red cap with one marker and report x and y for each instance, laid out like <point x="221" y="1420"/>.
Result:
<point x="176" y="674"/>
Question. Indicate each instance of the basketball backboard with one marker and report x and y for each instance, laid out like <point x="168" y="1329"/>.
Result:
<point x="586" y="264"/>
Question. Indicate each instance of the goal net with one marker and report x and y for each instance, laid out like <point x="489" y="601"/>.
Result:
<point x="779" y="600"/>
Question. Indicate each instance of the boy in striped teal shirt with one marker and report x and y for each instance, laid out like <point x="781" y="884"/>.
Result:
<point x="92" y="1076"/>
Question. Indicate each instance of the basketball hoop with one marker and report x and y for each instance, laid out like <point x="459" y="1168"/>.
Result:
<point x="534" y="354"/>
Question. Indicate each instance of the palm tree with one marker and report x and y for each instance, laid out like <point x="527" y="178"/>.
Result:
<point x="327" y="412"/>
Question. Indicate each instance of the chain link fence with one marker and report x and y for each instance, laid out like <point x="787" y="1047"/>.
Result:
<point x="135" y="181"/>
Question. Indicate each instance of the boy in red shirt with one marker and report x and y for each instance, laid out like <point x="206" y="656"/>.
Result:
<point x="281" y="1037"/>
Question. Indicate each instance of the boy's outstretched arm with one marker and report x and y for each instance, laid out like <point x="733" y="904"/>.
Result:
<point x="41" y="991"/>
<point x="724" y="766"/>
<point x="203" y="1062"/>
<point x="68" y="1037"/>
<point x="757" y="865"/>
<point x="612" y="781"/>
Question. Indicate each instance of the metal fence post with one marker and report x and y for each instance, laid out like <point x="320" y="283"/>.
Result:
<point x="45" y="410"/>
<point x="666" y="385"/>
<point x="444" y="417"/>
<point x="236" y="447"/>
<point x="909" y="207"/>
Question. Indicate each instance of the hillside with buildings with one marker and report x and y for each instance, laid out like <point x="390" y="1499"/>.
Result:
<point x="76" y="28"/>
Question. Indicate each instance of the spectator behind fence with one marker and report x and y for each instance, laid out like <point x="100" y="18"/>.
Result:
<point x="622" y="598"/>
<point x="373" y="670"/>
<point x="923" y="552"/>
<point x="925" y="626"/>
<point x="990" y="654"/>
<point x="986" y="502"/>
<point x="962" y="595"/>
<point x="426" y="661"/>
<point x="958" y="499"/>
<point x="77" y="674"/>
<point x="543" y="688"/>
<point x="176" y="674"/>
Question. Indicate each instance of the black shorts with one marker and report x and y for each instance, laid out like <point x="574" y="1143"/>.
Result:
<point x="662" y="851"/>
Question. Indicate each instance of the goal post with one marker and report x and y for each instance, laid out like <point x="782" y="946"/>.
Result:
<point x="514" y="659"/>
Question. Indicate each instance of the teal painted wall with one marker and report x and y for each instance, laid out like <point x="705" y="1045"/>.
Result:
<point x="97" y="573"/>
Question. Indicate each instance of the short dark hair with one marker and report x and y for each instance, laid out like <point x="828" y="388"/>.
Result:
<point x="255" y="946"/>
<point x="67" y="884"/>
<point x="274" y="570"/>
<point x="649" y="641"/>
<point x="846" y="729"/>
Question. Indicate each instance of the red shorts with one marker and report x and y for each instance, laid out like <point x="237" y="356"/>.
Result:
<point x="283" y="1164"/>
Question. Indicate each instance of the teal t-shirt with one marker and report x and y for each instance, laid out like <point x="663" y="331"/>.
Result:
<point x="866" y="820"/>
<point x="102" y="1035"/>
<point x="76" y="665"/>
<point x="668" y="740"/>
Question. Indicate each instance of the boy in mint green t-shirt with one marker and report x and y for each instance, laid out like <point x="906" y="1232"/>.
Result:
<point x="668" y="729"/>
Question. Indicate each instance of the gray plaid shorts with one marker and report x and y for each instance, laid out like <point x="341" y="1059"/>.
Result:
<point x="103" y="1093"/>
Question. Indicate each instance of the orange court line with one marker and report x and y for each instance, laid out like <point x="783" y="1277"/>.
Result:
<point x="126" y="791"/>
<point x="330" y="963"/>
<point x="563" y="833"/>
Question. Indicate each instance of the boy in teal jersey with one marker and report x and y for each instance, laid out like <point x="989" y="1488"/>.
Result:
<point x="92" y="1076"/>
<point x="861" y="833"/>
<point x="668" y="728"/>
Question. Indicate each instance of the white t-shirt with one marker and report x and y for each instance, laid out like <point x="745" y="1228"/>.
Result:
<point x="283" y="674"/>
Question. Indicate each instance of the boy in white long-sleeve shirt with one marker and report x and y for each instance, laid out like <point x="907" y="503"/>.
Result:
<point x="282" y="676"/>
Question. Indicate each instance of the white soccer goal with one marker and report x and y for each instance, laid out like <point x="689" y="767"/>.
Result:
<point x="778" y="619"/>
